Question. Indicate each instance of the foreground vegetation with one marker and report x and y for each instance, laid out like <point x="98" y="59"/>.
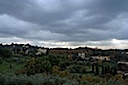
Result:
<point x="44" y="79"/>
<point x="51" y="71"/>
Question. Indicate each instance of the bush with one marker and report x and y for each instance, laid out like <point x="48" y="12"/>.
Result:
<point x="114" y="82"/>
<point x="1" y="61"/>
<point x="37" y="79"/>
<point x="6" y="53"/>
<point x="40" y="79"/>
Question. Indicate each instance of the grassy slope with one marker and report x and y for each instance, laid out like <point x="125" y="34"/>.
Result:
<point x="4" y="67"/>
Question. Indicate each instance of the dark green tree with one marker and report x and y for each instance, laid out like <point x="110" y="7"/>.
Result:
<point x="6" y="53"/>
<point x="102" y="69"/>
<point x="92" y="68"/>
<point x="97" y="69"/>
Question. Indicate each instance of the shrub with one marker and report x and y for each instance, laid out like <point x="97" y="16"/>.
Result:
<point x="114" y="82"/>
<point x="37" y="79"/>
<point x="6" y="53"/>
<point x="1" y="61"/>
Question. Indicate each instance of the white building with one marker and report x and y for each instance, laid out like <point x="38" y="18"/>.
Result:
<point x="82" y="55"/>
<point x="101" y="57"/>
<point x="41" y="51"/>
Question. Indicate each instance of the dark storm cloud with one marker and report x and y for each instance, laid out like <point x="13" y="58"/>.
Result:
<point x="64" y="20"/>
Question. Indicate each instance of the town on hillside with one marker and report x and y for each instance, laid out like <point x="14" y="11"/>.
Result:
<point x="81" y="60"/>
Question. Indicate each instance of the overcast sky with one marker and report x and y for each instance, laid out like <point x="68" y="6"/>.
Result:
<point x="65" y="23"/>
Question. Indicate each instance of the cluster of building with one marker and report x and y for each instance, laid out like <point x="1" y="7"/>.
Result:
<point x="25" y="49"/>
<point x="84" y="53"/>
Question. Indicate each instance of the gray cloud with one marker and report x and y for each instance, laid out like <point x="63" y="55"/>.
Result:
<point x="64" y="20"/>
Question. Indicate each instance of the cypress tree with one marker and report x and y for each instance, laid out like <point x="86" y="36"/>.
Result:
<point x="115" y="70"/>
<point x="108" y="69"/>
<point x="102" y="69"/>
<point x="92" y="68"/>
<point x="105" y="69"/>
<point x="97" y="69"/>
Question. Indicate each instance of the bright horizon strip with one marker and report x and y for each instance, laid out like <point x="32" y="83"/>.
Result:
<point x="114" y="43"/>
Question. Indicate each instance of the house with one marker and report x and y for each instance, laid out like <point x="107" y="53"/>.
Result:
<point x="125" y="53"/>
<point x="122" y="62"/>
<point x="82" y="55"/>
<point x="41" y="51"/>
<point x="101" y="57"/>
